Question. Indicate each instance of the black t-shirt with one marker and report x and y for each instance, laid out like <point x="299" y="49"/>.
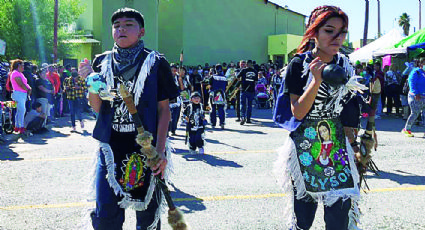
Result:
<point x="122" y="121"/>
<point x="195" y="80"/>
<point x="248" y="78"/>
<point x="324" y="106"/>
<point x="46" y="84"/>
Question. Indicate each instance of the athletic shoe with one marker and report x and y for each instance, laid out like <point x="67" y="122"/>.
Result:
<point x="74" y="129"/>
<point x="22" y="130"/>
<point x="243" y="121"/>
<point x="201" y="151"/>
<point x="249" y="121"/>
<point x="238" y="120"/>
<point x="222" y="126"/>
<point x="192" y="151"/>
<point x="407" y="133"/>
<point x="16" y="130"/>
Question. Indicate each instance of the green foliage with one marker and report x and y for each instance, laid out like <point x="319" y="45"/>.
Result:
<point x="27" y="27"/>
<point x="404" y="22"/>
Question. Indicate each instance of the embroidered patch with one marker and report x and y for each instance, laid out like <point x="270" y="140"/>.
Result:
<point x="341" y="156"/>
<point x="305" y="145"/>
<point x="306" y="159"/>
<point x="322" y="155"/>
<point x="310" y="133"/>
<point x="133" y="175"/>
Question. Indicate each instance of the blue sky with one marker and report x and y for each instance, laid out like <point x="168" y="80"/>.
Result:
<point x="355" y="9"/>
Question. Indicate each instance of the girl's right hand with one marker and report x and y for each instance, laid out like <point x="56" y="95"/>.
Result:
<point x="316" y="68"/>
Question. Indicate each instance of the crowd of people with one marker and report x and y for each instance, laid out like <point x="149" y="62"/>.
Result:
<point x="322" y="114"/>
<point x="40" y="95"/>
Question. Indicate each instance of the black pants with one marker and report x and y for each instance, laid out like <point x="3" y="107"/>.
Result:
<point x="195" y="139"/>
<point x="35" y="124"/>
<point x="336" y="216"/>
<point x="109" y="215"/>
<point x="393" y="98"/>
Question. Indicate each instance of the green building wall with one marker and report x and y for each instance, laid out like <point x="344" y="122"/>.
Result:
<point x="222" y="30"/>
<point x="208" y="31"/>
<point x="97" y="20"/>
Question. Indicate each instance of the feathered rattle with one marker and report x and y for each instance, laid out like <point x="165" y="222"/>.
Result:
<point x="144" y="139"/>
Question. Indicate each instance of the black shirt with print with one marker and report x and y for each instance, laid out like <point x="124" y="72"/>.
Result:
<point x="295" y="81"/>
<point x="248" y="78"/>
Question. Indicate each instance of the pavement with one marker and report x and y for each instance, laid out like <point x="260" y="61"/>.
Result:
<point x="44" y="178"/>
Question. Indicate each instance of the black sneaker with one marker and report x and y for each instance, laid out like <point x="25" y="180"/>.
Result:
<point x="238" y="120"/>
<point x="249" y="121"/>
<point x="243" y="121"/>
<point x="222" y="126"/>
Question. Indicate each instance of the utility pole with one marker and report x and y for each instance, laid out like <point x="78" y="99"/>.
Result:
<point x="379" y="19"/>
<point x="55" y="32"/>
<point x="420" y="14"/>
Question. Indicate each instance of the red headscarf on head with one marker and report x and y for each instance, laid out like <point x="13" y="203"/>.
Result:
<point x="317" y="19"/>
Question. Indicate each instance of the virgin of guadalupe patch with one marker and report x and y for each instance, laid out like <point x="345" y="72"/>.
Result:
<point x="132" y="172"/>
<point x="322" y="155"/>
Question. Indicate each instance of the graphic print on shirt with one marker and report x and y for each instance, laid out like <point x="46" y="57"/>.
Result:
<point x="122" y="121"/>
<point x="325" y="105"/>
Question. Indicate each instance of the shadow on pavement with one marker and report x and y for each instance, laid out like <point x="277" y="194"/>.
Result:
<point x="212" y="160"/>
<point x="191" y="203"/>
<point x="218" y="142"/>
<point x="41" y="138"/>
<point x="7" y="154"/>
<point x="401" y="178"/>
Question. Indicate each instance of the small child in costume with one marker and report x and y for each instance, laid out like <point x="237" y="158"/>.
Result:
<point x="195" y="117"/>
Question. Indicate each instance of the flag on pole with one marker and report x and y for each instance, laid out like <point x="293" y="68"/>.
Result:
<point x="181" y="59"/>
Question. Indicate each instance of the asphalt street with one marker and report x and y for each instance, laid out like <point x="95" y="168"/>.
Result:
<point x="43" y="178"/>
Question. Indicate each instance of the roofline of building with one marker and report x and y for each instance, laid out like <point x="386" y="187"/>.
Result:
<point x="279" y="6"/>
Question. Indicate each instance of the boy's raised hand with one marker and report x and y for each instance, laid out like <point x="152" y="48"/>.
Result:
<point x="85" y="68"/>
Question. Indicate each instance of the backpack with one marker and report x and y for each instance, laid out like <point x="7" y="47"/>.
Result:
<point x="282" y="114"/>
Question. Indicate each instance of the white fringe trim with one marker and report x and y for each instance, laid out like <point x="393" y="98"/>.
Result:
<point x="106" y="70"/>
<point x="143" y="74"/>
<point x="287" y="171"/>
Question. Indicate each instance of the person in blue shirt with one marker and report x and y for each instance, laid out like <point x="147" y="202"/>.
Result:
<point x="416" y="96"/>
<point x="218" y="83"/>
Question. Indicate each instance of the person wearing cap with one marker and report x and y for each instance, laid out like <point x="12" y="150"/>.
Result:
<point x="147" y="76"/>
<point x="248" y="78"/>
<point x="195" y="128"/>
<point x="218" y="84"/>
<point x="75" y="88"/>
<point x="176" y="104"/>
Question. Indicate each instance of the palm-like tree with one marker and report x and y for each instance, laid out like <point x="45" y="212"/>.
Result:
<point x="404" y="22"/>
<point x="366" y="22"/>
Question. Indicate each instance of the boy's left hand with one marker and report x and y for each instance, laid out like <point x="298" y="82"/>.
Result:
<point x="159" y="168"/>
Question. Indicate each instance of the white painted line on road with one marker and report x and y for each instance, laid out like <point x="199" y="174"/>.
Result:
<point x="208" y="198"/>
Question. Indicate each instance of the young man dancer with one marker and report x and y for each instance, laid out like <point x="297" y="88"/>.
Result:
<point x="123" y="180"/>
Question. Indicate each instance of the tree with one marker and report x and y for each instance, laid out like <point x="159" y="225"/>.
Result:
<point x="404" y="22"/>
<point x="27" y="27"/>
<point x="366" y="22"/>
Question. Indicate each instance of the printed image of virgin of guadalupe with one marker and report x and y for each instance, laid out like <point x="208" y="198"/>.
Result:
<point x="324" y="131"/>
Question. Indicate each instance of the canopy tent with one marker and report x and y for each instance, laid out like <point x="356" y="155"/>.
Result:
<point x="417" y="46"/>
<point x="364" y="54"/>
<point x="413" y="39"/>
<point x="402" y="47"/>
